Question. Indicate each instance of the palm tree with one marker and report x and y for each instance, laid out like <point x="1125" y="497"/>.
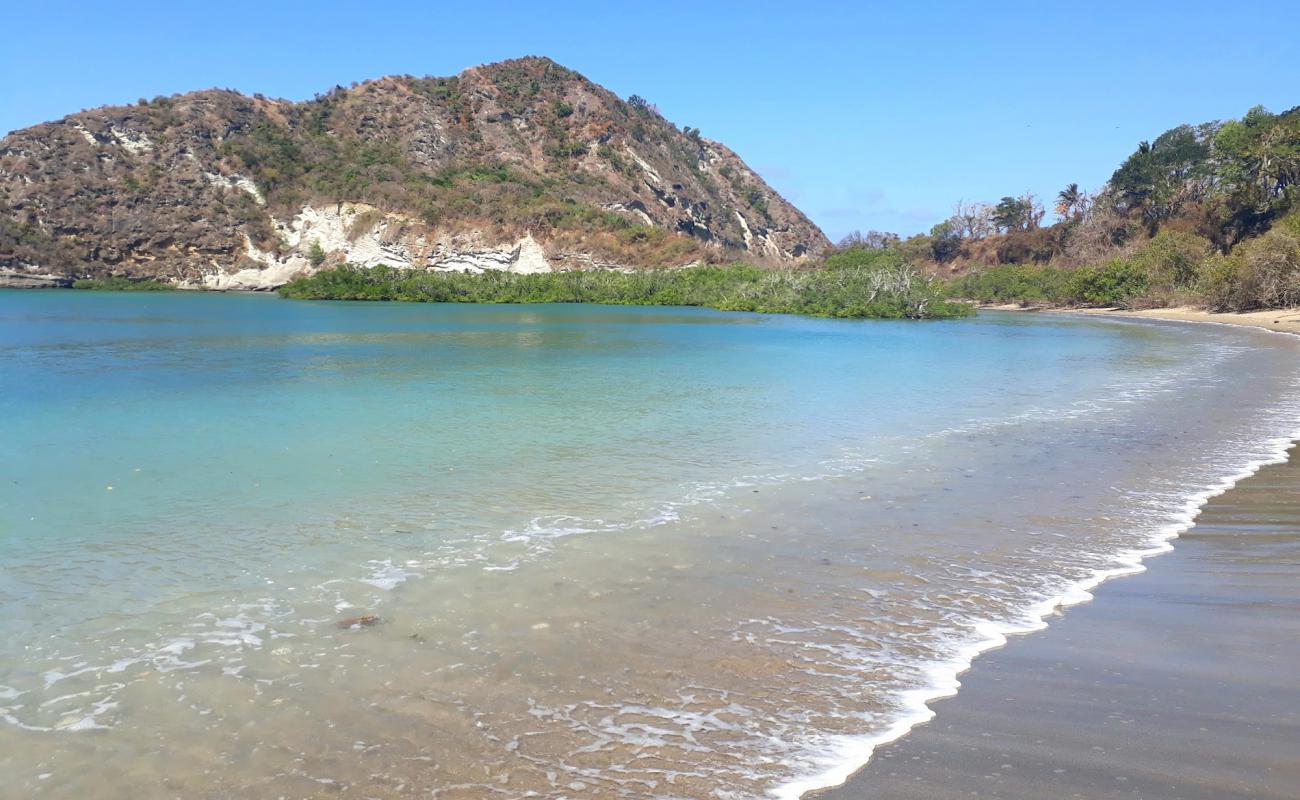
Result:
<point x="1069" y="200"/>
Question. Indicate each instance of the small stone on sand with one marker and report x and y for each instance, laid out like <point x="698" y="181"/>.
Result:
<point x="363" y="621"/>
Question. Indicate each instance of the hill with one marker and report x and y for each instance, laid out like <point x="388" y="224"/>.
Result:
<point x="523" y="166"/>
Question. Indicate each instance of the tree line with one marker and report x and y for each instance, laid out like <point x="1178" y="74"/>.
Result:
<point x="1204" y="214"/>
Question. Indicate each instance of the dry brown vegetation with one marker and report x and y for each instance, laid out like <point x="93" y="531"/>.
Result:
<point x="1206" y="215"/>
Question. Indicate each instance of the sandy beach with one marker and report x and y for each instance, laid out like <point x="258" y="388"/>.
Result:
<point x="1285" y="320"/>
<point x="1179" y="682"/>
<point x="1282" y="320"/>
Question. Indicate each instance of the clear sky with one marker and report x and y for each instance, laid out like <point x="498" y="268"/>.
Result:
<point x="865" y="115"/>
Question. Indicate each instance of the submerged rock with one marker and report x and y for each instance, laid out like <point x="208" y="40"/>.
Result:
<point x="363" y="621"/>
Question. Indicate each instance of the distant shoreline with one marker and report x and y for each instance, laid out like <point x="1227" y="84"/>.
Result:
<point x="1278" y="320"/>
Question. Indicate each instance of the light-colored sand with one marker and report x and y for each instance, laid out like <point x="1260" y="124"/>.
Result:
<point x="1285" y="320"/>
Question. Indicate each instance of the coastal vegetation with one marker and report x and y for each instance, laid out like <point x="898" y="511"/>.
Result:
<point x="1172" y="268"/>
<point x="855" y="283"/>
<point x="120" y="284"/>
<point x="1205" y="215"/>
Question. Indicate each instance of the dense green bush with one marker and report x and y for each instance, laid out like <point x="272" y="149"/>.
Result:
<point x="865" y="258"/>
<point x="316" y="254"/>
<point x="1013" y="283"/>
<point x="886" y="290"/>
<point x="122" y="285"/>
<point x="1173" y="258"/>
<point x="1116" y="283"/>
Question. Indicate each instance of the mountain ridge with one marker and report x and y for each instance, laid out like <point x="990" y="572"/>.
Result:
<point x="522" y="165"/>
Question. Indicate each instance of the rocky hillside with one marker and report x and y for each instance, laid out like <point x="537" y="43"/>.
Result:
<point x="522" y="165"/>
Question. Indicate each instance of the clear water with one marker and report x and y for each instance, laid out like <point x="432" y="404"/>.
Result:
<point x="614" y="551"/>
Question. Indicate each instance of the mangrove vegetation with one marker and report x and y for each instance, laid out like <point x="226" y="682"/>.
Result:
<point x="856" y="283"/>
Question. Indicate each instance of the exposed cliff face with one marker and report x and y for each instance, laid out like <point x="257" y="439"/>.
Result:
<point x="363" y="235"/>
<point x="521" y="165"/>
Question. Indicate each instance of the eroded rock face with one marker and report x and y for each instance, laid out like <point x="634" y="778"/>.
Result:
<point x="522" y="165"/>
<point x="360" y="234"/>
<point x="31" y="279"/>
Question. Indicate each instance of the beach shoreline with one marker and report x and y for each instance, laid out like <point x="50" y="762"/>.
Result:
<point x="841" y="781"/>
<point x="809" y="595"/>
<point x="1281" y="320"/>
<point x="1071" y="713"/>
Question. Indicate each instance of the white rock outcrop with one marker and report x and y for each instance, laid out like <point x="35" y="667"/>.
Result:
<point x="133" y="142"/>
<point x="645" y="167"/>
<point x="30" y="276"/>
<point x="235" y="182"/>
<point x="360" y="234"/>
<point x="272" y="273"/>
<point x="764" y="244"/>
<point x="469" y="253"/>
<point x="85" y="134"/>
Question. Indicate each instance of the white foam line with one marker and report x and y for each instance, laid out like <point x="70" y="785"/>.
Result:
<point x="852" y="753"/>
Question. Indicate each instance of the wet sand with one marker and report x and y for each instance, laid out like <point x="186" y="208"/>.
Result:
<point x="1180" y="682"/>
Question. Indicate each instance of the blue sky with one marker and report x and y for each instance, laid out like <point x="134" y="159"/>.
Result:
<point x="864" y="115"/>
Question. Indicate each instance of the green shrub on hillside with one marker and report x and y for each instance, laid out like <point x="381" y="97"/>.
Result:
<point x="1259" y="273"/>
<point x="1174" y="258"/>
<point x="1200" y="215"/>
<point x="1116" y="283"/>
<point x="316" y="254"/>
<point x="863" y="258"/>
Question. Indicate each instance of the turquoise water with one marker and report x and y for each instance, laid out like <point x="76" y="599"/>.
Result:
<point x="616" y="551"/>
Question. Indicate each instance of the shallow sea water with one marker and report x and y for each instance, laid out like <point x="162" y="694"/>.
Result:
<point x="616" y="552"/>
